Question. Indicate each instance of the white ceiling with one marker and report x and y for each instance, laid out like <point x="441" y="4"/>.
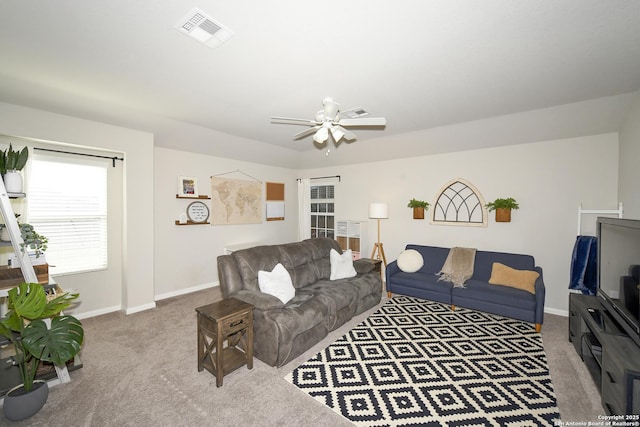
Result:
<point x="424" y="65"/>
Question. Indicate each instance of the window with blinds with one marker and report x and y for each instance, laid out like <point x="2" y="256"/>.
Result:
<point x="67" y="203"/>
<point x="322" y="211"/>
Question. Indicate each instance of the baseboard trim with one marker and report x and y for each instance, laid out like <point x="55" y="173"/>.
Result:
<point x="94" y="313"/>
<point x="140" y="308"/>
<point x="564" y="313"/>
<point x="148" y="306"/>
<point x="186" y="291"/>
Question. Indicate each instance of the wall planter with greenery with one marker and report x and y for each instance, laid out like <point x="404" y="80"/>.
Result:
<point x="25" y="327"/>
<point x="419" y="206"/>
<point x="11" y="163"/>
<point x="503" y="208"/>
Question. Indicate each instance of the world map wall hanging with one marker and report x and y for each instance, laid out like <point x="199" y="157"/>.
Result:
<point x="235" y="201"/>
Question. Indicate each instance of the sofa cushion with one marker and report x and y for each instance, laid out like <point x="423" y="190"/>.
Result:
<point x="287" y="332"/>
<point x="504" y="275"/>
<point x="298" y="258"/>
<point x="433" y="257"/>
<point x="485" y="259"/>
<point x="480" y="290"/>
<point x="339" y="297"/>
<point x="410" y="261"/>
<point x="341" y="265"/>
<point x="320" y="248"/>
<point x="277" y="282"/>
<point x="423" y="281"/>
<point x="252" y="260"/>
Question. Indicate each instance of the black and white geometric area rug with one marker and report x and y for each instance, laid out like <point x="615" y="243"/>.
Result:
<point x="417" y="363"/>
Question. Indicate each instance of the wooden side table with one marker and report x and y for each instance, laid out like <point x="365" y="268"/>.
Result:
<point x="230" y="320"/>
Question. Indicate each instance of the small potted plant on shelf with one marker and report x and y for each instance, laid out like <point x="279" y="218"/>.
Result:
<point x="32" y="240"/>
<point x="11" y="163"/>
<point x="419" y="206"/>
<point x="503" y="208"/>
<point x="34" y="342"/>
<point x="4" y="233"/>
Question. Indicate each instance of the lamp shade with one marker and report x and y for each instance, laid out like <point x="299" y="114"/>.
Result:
<point x="378" y="210"/>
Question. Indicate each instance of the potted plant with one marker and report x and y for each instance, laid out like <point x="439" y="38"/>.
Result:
<point x="4" y="233"/>
<point x="419" y="206"/>
<point x="11" y="163"/>
<point x="25" y="327"/>
<point x="32" y="240"/>
<point x="503" y="208"/>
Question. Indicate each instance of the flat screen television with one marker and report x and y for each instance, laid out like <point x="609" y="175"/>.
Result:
<point x="618" y="250"/>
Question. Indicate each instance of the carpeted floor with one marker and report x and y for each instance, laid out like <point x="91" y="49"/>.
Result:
<point x="141" y="370"/>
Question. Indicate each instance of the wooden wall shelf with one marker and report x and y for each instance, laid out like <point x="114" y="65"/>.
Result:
<point x="201" y="197"/>
<point x="192" y="223"/>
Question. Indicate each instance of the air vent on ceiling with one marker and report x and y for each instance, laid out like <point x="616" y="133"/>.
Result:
<point x="355" y="113"/>
<point x="203" y="28"/>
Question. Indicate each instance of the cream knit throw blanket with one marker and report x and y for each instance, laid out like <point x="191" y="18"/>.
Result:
<point x="458" y="267"/>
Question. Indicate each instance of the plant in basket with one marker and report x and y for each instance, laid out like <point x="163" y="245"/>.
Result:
<point x="503" y="208"/>
<point x="419" y="206"/>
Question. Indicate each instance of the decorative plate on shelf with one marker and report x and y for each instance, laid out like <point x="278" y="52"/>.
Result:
<point x="198" y="212"/>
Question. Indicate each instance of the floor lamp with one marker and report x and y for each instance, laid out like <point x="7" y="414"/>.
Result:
<point x="379" y="211"/>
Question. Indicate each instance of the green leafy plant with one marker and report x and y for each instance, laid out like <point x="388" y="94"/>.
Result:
<point x="509" y="203"/>
<point x="413" y="203"/>
<point x="32" y="240"/>
<point x="34" y="342"/>
<point x="13" y="160"/>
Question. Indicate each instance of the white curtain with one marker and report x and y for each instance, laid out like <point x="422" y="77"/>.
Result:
<point x="304" y="208"/>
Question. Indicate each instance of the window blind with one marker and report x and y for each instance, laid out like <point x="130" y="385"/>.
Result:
<point x="67" y="203"/>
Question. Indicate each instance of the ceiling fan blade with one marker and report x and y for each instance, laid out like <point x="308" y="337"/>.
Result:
<point x="293" y="121"/>
<point x="306" y="132"/>
<point x="365" y="121"/>
<point x="346" y="134"/>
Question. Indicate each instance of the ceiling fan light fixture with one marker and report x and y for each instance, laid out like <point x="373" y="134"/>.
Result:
<point x="321" y="136"/>
<point x="330" y="123"/>
<point x="337" y="134"/>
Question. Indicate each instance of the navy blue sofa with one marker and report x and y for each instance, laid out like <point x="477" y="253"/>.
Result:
<point x="478" y="293"/>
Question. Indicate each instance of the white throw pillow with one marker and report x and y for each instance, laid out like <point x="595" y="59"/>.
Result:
<point x="277" y="282"/>
<point x="341" y="265"/>
<point x="410" y="261"/>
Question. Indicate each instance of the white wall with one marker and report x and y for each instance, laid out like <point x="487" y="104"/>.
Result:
<point x="134" y="290"/>
<point x="185" y="256"/>
<point x="630" y="162"/>
<point x="549" y="180"/>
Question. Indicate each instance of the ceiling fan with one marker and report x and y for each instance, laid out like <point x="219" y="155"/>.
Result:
<point x="328" y="121"/>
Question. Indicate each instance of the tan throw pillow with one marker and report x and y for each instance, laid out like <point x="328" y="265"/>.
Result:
<point x="520" y="279"/>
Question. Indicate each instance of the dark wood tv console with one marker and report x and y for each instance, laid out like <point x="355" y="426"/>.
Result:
<point x="611" y="356"/>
